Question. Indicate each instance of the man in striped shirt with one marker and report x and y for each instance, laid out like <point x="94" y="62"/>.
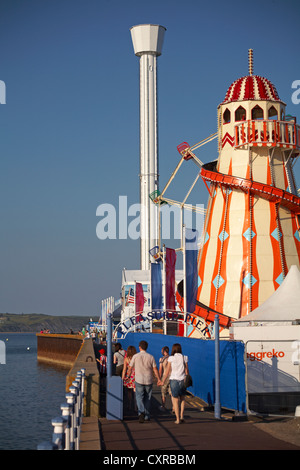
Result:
<point x="144" y="365"/>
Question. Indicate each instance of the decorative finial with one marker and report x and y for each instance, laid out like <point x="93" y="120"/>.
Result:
<point x="250" y="57"/>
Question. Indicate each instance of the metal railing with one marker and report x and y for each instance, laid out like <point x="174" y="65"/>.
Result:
<point x="267" y="133"/>
<point x="66" y="432"/>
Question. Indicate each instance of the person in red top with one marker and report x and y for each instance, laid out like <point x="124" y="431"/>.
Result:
<point x="102" y="366"/>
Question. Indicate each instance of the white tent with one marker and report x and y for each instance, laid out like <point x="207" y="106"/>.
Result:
<point x="283" y="305"/>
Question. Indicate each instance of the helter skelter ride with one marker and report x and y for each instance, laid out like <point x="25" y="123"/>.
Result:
<point x="251" y="233"/>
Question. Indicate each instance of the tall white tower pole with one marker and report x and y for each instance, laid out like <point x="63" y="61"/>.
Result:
<point x="147" y="43"/>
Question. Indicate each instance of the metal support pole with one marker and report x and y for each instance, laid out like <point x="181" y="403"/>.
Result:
<point x="164" y="291"/>
<point x="109" y="344"/>
<point x="114" y="384"/>
<point x="217" y="370"/>
<point x="184" y="279"/>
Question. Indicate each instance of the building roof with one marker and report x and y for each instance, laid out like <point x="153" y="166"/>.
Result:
<point x="284" y="303"/>
<point x="251" y="87"/>
<point x="130" y="276"/>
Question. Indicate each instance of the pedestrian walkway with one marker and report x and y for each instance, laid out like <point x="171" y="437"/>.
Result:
<point x="200" y="431"/>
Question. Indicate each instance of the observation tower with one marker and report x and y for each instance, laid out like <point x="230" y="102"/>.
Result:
<point x="251" y="230"/>
<point x="147" y="43"/>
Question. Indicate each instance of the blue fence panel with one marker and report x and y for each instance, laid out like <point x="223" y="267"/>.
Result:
<point x="201" y="354"/>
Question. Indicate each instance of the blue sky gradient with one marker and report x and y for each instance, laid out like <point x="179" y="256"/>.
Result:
<point x="69" y="131"/>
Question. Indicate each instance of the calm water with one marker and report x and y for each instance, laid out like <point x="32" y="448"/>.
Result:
<point x="30" y="394"/>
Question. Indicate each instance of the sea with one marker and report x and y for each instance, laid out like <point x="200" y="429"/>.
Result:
<point x="31" y="393"/>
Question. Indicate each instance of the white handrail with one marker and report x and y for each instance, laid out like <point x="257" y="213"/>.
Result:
<point x="66" y="432"/>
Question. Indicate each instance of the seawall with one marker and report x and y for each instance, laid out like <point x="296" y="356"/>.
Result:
<point x="74" y="353"/>
<point x="58" y="349"/>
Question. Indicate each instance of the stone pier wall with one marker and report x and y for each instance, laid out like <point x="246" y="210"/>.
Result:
<point x="58" y="349"/>
<point x="74" y="353"/>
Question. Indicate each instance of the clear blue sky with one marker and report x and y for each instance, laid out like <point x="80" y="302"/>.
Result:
<point x="69" y="131"/>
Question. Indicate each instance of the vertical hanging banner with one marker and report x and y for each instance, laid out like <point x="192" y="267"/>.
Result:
<point x="170" y="278"/>
<point x="139" y="300"/>
<point x="156" y="287"/>
<point x="191" y="254"/>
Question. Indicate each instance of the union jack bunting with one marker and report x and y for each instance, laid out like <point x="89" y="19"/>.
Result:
<point x="155" y="253"/>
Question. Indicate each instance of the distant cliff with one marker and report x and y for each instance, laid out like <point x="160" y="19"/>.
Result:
<point x="35" y="322"/>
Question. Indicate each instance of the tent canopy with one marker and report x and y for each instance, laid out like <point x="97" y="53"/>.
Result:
<point x="283" y="305"/>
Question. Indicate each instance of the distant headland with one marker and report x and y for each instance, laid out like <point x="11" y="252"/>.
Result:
<point x="37" y="322"/>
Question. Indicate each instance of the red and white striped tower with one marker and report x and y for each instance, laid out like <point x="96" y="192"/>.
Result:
<point x="251" y="232"/>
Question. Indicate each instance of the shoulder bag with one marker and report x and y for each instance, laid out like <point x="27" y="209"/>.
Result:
<point x="188" y="381"/>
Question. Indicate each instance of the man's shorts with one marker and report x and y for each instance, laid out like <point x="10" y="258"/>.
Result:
<point x="165" y="387"/>
<point x="177" y="388"/>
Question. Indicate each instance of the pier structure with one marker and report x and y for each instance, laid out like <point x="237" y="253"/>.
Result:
<point x="59" y="349"/>
<point x="74" y="353"/>
<point x="200" y="431"/>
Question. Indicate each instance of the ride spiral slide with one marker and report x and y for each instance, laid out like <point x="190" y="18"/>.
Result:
<point x="226" y="182"/>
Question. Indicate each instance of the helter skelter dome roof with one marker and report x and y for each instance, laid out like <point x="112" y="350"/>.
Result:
<point x="251" y="87"/>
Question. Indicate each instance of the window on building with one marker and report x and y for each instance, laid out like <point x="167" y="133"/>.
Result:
<point x="226" y="116"/>
<point x="272" y="113"/>
<point x="257" y="113"/>
<point x="240" y="114"/>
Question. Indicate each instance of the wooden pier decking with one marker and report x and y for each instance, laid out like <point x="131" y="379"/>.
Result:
<point x="200" y="431"/>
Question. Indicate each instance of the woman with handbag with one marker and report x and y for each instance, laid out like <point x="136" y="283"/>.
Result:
<point x="118" y="359"/>
<point x="177" y="368"/>
<point x="129" y="378"/>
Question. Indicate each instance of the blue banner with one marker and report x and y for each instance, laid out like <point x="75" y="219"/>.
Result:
<point x="191" y="255"/>
<point x="156" y="286"/>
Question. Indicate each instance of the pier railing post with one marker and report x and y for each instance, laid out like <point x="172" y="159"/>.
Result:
<point x="74" y="390"/>
<point x="46" y="445"/>
<point x="77" y="385"/>
<point x="71" y="401"/>
<point x="82" y="390"/>
<point x="79" y="381"/>
<point x="58" y="436"/>
<point x="66" y="414"/>
<point x="66" y="434"/>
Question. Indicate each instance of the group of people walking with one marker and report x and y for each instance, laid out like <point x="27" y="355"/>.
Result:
<point x="137" y="370"/>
